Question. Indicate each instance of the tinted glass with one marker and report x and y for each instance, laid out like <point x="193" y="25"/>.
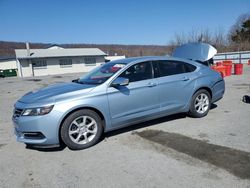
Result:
<point x="138" y="72"/>
<point x="189" y="67"/>
<point x="167" y="68"/>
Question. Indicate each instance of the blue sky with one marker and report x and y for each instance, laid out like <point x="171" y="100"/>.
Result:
<point x="113" y="21"/>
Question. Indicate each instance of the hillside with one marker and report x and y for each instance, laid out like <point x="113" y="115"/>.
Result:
<point x="7" y="48"/>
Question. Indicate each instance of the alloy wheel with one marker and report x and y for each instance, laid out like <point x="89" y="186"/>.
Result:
<point x="201" y="103"/>
<point x="82" y="130"/>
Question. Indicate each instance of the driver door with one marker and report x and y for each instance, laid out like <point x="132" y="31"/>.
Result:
<point x="140" y="99"/>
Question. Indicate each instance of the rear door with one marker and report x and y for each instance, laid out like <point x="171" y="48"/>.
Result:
<point x="139" y="99"/>
<point x="176" y="84"/>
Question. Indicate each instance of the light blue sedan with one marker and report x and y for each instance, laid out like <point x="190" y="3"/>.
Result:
<point x="117" y="94"/>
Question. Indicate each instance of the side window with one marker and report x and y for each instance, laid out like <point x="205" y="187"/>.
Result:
<point x="189" y="67"/>
<point x="168" y="68"/>
<point x="138" y="72"/>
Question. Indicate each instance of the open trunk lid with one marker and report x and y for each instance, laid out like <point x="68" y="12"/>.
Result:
<point x="195" y="51"/>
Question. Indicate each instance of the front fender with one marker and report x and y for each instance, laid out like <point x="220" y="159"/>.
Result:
<point x="97" y="103"/>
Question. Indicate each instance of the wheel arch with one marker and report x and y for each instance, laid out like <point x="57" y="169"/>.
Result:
<point x="187" y="107"/>
<point x="190" y="108"/>
<point x="81" y="108"/>
<point x="205" y="88"/>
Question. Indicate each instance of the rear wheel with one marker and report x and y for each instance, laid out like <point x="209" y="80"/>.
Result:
<point x="200" y="104"/>
<point x="81" y="129"/>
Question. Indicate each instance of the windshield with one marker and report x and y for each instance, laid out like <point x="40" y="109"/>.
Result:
<point x="101" y="74"/>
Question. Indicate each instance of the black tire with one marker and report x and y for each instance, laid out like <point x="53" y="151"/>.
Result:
<point x="68" y="124"/>
<point x="193" y="111"/>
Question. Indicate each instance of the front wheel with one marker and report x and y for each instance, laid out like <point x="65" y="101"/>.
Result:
<point x="200" y="104"/>
<point x="81" y="129"/>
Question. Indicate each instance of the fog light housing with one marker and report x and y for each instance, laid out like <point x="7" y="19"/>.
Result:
<point x="33" y="135"/>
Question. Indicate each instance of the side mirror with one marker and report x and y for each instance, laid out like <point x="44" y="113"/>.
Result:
<point x="120" y="81"/>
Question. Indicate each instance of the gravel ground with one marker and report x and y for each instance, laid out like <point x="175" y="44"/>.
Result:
<point x="175" y="151"/>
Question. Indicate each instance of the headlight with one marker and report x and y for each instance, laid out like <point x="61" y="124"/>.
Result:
<point x="37" y="111"/>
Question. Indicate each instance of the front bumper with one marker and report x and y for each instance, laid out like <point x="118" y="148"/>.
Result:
<point x="37" y="130"/>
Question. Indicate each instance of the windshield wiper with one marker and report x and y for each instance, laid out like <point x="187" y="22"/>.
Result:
<point x="89" y="83"/>
<point x="82" y="82"/>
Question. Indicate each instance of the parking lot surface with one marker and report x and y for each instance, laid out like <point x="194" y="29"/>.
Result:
<point x="174" y="151"/>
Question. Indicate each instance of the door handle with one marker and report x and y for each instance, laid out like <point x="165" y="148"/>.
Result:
<point x="185" y="78"/>
<point x="152" y="84"/>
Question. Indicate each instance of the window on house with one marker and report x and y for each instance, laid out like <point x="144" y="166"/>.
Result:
<point x="64" y="63"/>
<point x="89" y="61"/>
<point x="39" y="63"/>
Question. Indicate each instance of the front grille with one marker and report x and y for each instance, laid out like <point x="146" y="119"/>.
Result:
<point x="17" y="112"/>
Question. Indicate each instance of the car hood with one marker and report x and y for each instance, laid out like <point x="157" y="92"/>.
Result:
<point x="55" y="92"/>
<point x="195" y="51"/>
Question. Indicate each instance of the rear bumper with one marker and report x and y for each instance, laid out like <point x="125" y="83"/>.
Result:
<point x="218" y="90"/>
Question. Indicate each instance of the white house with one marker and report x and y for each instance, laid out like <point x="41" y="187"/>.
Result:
<point x="57" y="60"/>
<point x="8" y="63"/>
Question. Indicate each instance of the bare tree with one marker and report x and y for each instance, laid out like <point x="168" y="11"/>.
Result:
<point x="195" y="35"/>
<point x="217" y="38"/>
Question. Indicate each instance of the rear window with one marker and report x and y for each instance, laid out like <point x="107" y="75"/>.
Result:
<point x="167" y="68"/>
<point x="189" y="67"/>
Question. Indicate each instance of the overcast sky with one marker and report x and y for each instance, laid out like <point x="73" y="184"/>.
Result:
<point x="113" y="21"/>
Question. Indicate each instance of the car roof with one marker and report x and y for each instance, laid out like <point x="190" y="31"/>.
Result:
<point x="132" y="60"/>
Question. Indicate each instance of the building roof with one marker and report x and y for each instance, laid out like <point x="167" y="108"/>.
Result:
<point x="54" y="47"/>
<point x="68" y="52"/>
<point x="8" y="58"/>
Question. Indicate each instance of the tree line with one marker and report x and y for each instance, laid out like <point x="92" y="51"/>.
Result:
<point x="236" y="39"/>
<point x="7" y="49"/>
